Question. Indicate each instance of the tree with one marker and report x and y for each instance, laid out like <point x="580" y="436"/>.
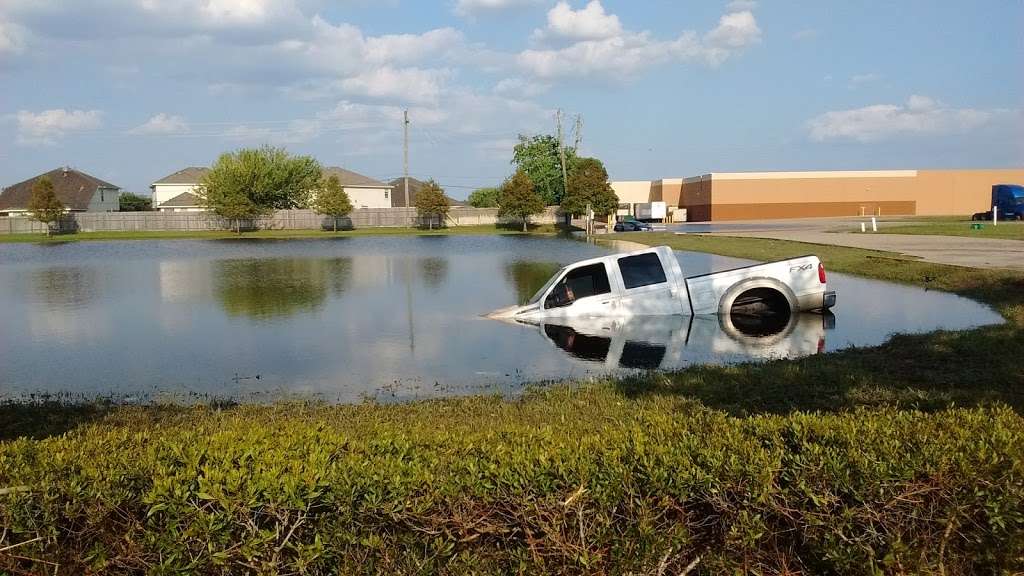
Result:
<point x="519" y="198"/>
<point x="332" y="200"/>
<point x="588" y="185"/>
<point x="253" y="182"/>
<point x="484" y="198"/>
<point x="431" y="202"/>
<point x="43" y="205"/>
<point x="539" y="158"/>
<point x="129" y="202"/>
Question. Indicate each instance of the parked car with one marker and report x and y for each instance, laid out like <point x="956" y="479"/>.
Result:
<point x="650" y="282"/>
<point x="631" y="225"/>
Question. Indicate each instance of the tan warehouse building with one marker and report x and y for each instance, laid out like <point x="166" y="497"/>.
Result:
<point x="756" y="195"/>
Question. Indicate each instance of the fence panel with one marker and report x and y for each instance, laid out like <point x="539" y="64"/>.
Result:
<point x="280" y="220"/>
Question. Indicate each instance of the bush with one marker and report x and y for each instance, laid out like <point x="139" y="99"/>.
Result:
<point x="568" y="480"/>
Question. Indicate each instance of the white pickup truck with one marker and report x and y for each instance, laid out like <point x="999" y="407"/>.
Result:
<point x="650" y="282"/>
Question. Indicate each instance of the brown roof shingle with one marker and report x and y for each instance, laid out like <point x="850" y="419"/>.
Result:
<point x="75" y="189"/>
<point x="398" y="195"/>
<point x="183" y="200"/>
<point x="350" y="178"/>
<point x="190" y="175"/>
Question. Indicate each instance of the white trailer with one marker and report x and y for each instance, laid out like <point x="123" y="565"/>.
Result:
<point x="650" y="282"/>
<point x="651" y="211"/>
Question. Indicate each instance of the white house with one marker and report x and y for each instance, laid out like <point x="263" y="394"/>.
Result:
<point x="363" y="191"/>
<point x="177" y="192"/>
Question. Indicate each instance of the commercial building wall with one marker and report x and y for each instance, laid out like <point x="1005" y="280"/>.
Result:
<point x="754" y="195"/>
<point x="632" y="191"/>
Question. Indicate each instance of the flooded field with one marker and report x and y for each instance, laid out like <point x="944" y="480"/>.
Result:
<point x="380" y="317"/>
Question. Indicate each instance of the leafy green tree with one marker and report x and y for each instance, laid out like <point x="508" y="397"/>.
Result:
<point x="128" y="202"/>
<point x="43" y="205"/>
<point x="253" y="182"/>
<point x="332" y="200"/>
<point x="483" y="198"/>
<point x="588" y="185"/>
<point x="431" y="202"/>
<point x="519" y="198"/>
<point x="538" y="156"/>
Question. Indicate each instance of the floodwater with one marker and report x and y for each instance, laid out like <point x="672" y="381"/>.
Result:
<point x="379" y="317"/>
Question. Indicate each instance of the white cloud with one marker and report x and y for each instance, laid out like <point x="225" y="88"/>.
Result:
<point x="588" y="23"/>
<point x="13" y="39"/>
<point x="475" y="7"/>
<point x="408" y="48"/>
<point x="860" y="79"/>
<point x="49" y="126"/>
<point x="735" y="30"/>
<point x="741" y="5"/>
<point x="519" y="88"/>
<point x="161" y="123"/>
<point x="624" y="54"/>
<point x="920" y="115"/>
<point x="397" y="85"/>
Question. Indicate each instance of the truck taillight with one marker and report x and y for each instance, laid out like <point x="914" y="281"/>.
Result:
<point x="821" y="272"/>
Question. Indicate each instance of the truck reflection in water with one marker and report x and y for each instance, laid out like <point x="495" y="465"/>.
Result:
<point x="668" y="342"/>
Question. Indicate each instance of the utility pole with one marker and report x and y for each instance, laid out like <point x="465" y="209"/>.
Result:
<point x="405" y="156"/>
<point x="579" y="134"/>
<point x="561" y="156"/>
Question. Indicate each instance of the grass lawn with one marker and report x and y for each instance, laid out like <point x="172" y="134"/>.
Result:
<point x="227" y="235"/>
<point x="898" y="459"/>
<point x="1008" y="230"/>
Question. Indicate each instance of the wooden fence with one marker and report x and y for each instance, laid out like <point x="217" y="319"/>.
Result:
<point x="280" y="220"/>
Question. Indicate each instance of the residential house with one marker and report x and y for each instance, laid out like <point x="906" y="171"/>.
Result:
<point x="363" y="191"/>
<point x="398" y="198"/>
<point x="177" y="192"/>
<point x="80" y="192"/>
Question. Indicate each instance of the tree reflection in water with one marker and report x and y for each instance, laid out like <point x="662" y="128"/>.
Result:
<point x="528" y="277"/>
<point x="269" y="288"/>
<point x="65" y="287"/>
<point x="434" y="271"/>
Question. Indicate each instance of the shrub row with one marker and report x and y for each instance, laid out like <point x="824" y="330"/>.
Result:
<point x="568" y="480"/>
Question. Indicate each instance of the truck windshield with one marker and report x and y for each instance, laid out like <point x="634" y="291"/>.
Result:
<point x="540" y="293"/>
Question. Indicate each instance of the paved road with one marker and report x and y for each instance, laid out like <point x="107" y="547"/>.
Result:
<point x="955" y="250"/>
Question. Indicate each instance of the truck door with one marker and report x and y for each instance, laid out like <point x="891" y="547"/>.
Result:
<point x="582" y="291"/>
<point x="647" y="289"/>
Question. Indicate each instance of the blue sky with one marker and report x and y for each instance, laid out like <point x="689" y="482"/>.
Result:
<point x="132" y="90"/>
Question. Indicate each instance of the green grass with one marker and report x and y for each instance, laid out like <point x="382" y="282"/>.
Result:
<point x="284" y="234"/>
<point x="1006" y="230"/>
<point x="899" y="459"/>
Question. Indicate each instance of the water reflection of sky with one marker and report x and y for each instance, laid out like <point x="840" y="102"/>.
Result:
<point x="354" y="317"/>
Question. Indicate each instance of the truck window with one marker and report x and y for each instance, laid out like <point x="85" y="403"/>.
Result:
<point x="579" y="283"/>
<point x="641" y="270"/>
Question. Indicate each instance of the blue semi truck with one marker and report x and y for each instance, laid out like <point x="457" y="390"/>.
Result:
<point x="1008" y="200"/>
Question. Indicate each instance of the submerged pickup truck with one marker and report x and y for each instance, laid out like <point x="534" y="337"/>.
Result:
<point x="650" y="282"/>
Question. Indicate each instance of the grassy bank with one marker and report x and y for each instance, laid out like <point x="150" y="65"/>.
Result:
<point x="905" y="458"/>
<point x="960" y="227"/>
<point x="284" y="234"/>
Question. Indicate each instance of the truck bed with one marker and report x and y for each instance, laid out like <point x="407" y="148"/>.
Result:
<point x="799" y="274"/>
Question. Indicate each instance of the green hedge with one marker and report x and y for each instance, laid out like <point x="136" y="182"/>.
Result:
<point x="568" y="480"/>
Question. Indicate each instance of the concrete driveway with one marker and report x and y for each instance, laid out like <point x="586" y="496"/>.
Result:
<point x="954" y="250"/>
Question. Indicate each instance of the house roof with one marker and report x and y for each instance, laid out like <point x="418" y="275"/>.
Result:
<point x="183" y="200"/>
<point x="350" y="178"/>
<point x="398" y="195"/>
<point x="190" y="175"/>
<point x="74" y="188"/>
